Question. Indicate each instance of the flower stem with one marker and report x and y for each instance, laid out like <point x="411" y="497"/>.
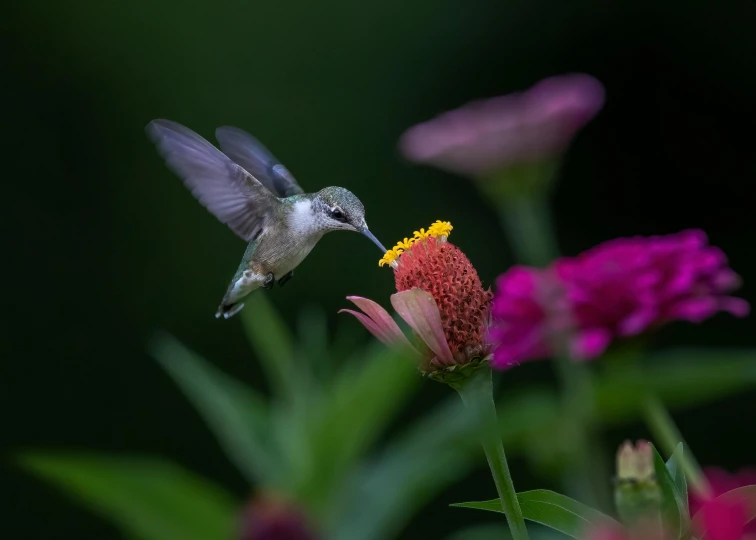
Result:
<point x="665" y="431"/>
<point x="527" y="221"/>
<point x="477" y="394"/>
<point x="586" y="479"/>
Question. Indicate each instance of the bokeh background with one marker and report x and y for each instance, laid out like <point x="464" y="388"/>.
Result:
<point x="104" y="245"/>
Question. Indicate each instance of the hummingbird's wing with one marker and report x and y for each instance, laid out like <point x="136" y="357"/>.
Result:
<point x="229" y="192"/>
<point x="248" y="152"/>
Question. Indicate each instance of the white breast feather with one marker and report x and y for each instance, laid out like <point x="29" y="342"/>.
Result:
<point x="302" y="221"/>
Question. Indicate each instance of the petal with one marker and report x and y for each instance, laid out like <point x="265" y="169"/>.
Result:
<point x="590" y="343"/>
<point x="735" y="306"/>
<point x="725" y="520"/>
<point x="418" y="308"/>
<point x="638" y="321"/>
<point x="383" y="326"/>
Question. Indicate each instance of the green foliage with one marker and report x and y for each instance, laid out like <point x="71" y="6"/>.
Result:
<point x="311" y="438"/>
<point x="237" y="415"/>
<point x="313" y="432"/>
<point x="674" y="508"/>
<point x="679" y="377"/>
<point x="273" y="345"/>
<point x="431" y="454"/>
<point x="551" y="509"/>
<point x="148" y="499"/>
<point x="678" y="475"/>
<point x="501" y="532"/>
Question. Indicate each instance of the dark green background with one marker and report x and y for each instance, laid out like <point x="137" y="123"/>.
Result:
<point x="104" y="245"/>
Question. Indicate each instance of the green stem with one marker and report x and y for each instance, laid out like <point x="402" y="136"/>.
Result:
<point x="587" y="478"/>
<point x="477" y="394"/>
<point x="527" y="221"/>
<point x="528" y="224"/>
<point x="665" y="431"/>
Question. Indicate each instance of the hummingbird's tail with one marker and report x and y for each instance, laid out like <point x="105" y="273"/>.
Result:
<point x="228" y="310"/>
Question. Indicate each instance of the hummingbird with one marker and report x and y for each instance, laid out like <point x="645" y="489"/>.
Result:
<point x="249" y="190"/>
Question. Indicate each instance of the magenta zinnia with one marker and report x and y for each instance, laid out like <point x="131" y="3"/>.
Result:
<point x="620" y="288"/>
<point x="439" y="295"/>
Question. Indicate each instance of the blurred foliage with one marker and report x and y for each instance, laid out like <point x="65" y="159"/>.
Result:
<point x="309" y="441"/>
<point x="551" y="509"/>
<point x="313" y="438"/>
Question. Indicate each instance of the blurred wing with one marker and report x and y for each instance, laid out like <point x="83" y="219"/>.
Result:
<point x="229" y="192"/>
<point x="248" y="152"/>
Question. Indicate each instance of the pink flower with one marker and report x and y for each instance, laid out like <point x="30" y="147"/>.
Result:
<point x="718" y="514"/>
<point x="724" y="520"/>
<point x="272" y="518"/>
<point x="486" y="135"/>
<point x="620" y="288"/>
<point x="520" y="331"/>
<point x="439" y="296"/>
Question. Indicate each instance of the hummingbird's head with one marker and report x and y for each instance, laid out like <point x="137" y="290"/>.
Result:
<point x="340" y="210"/>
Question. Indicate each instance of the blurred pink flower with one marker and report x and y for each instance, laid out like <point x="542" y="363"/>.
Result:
<point x="721" y="482"/>
<point x="724" y="520"/>
<point x="520" y="331"/>
<point x="485" y="135"/>
<point x="620" y="288"/>
<point x="272" y="518"/>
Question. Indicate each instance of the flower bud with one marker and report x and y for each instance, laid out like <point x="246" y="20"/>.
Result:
<point x="636" y="492"/>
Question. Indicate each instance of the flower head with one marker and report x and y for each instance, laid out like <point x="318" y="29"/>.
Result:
<point x="635" y="463"/>
<point x="617" y="289"/>
<point x="440" y="297"/>
<point x="483" y="136"/>
<point x="272" y="518"/>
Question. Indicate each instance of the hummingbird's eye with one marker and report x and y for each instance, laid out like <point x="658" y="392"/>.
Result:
<point x="337" y="214"/>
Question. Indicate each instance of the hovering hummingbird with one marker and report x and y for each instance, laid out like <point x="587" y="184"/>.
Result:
<point x="249" y="190"/>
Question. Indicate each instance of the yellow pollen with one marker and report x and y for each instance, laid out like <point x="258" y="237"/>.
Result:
<point x="439" y="228"/>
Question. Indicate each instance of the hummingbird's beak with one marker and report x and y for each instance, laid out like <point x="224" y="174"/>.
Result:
<point x="367" y="233"/>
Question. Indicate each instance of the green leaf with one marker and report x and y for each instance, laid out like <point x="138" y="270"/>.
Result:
<point x="236" y="414"/>
<point x="678" y="377"/>
<point x="674" y="510"/>
<point x="678" y="476"/>
<point x="147" y="498"/>
<point x="273" y="345"/>
<point x="363" y="398"/>
<point x="313" y="342"/>
<point x="427" y="457"/>
<point x="745" y="495"/>
<point x="551" y="509"/>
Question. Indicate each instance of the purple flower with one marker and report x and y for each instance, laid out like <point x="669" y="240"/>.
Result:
<point x="620" y="288"/>
<point x="484" y="136"/>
